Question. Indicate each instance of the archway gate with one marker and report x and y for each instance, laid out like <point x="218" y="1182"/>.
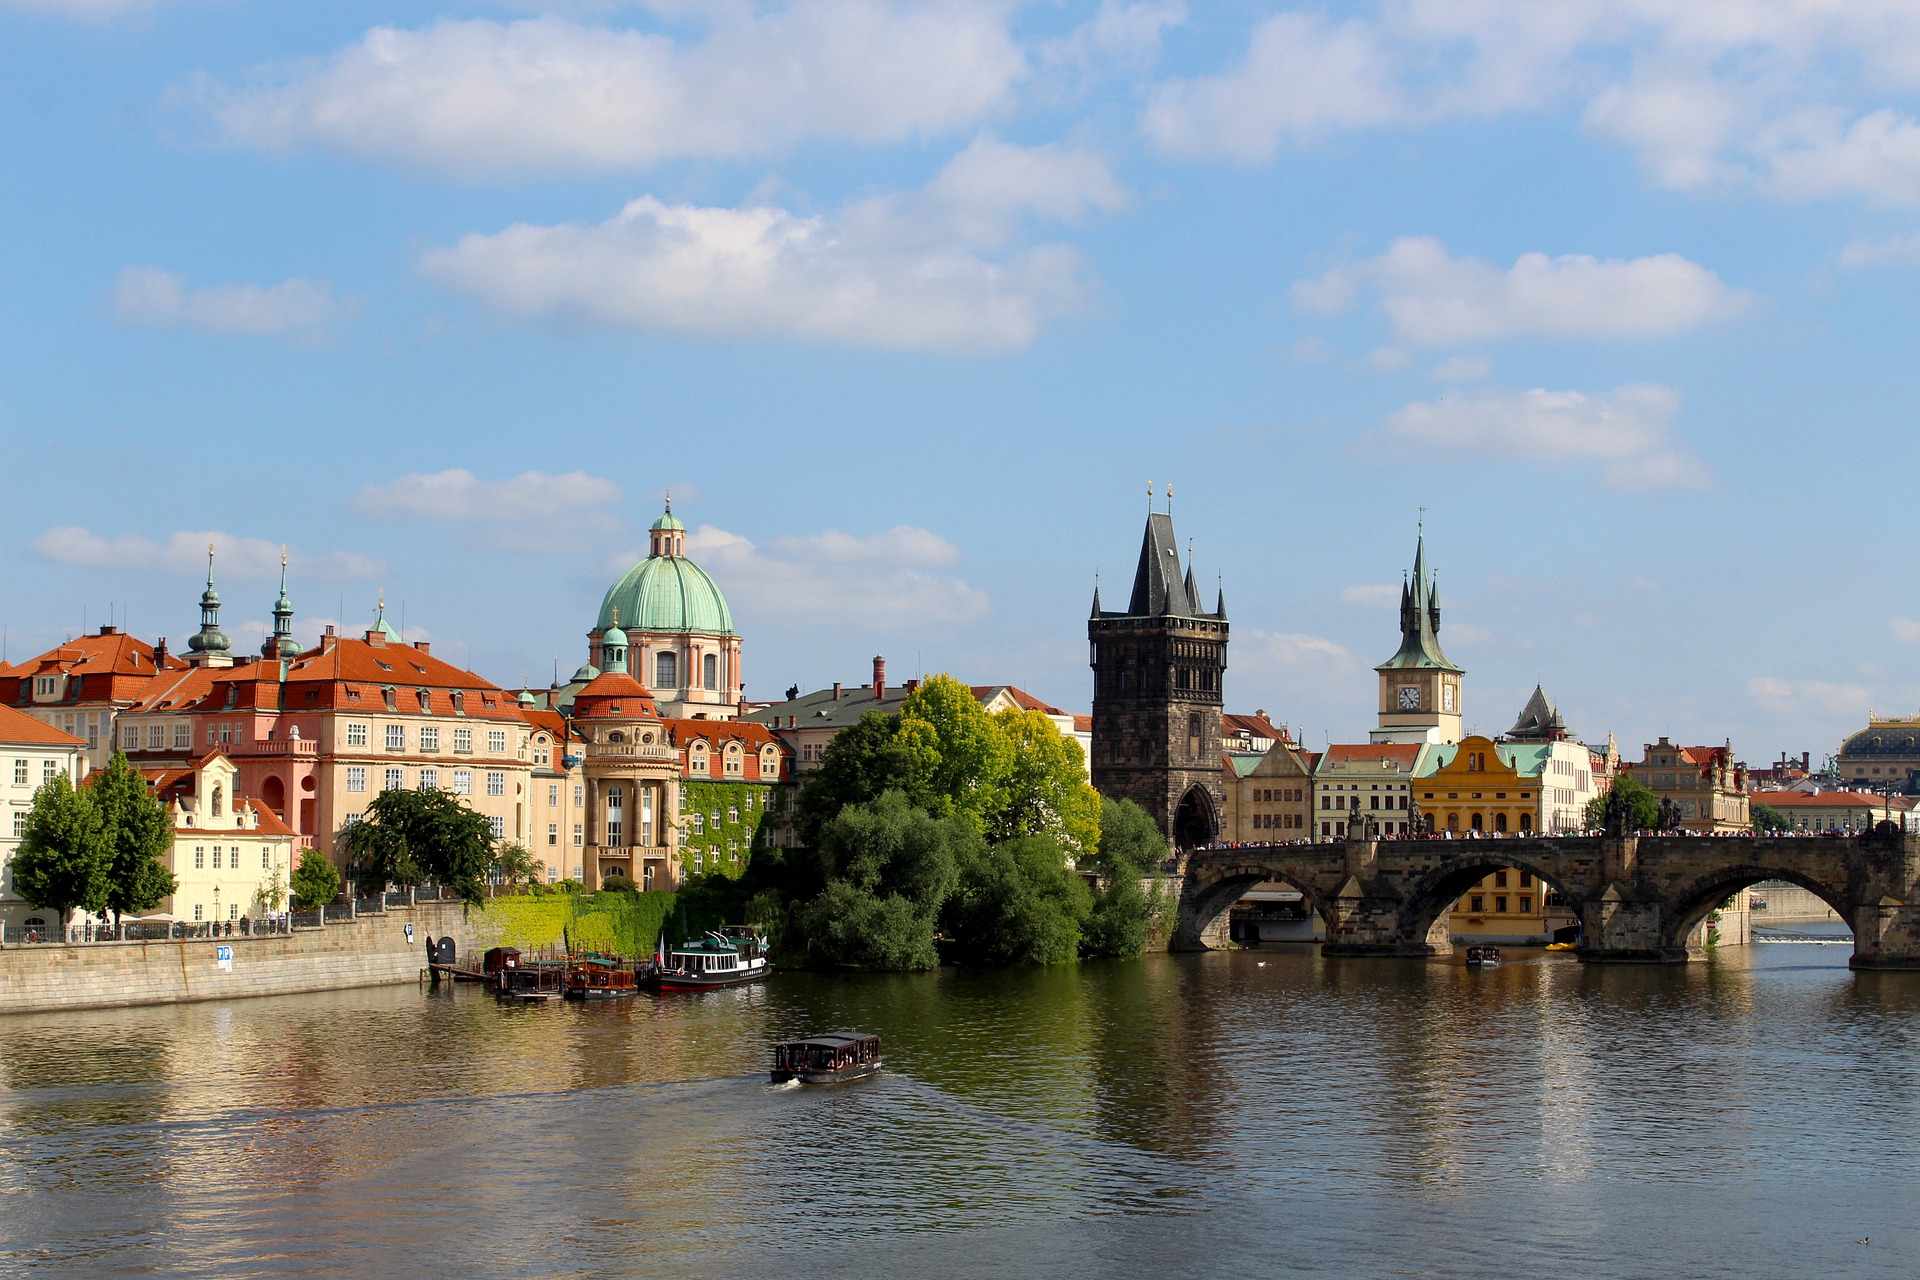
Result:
<point x="1636" y="897"/>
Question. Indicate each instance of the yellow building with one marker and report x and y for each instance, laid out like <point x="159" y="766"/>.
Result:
<point x="232" y="856"/>
<point x="1269" y="796"/>
<point x="1481" y="787"/>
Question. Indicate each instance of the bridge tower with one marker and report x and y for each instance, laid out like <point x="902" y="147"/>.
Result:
<point x="1157" y="673"/>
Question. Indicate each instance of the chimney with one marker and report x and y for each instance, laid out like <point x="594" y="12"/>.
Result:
<point x="108" y="630"/>
<point x="879" y="676"/>
<point x="423" y="646"/>
<point x="1806" y="757"/>
<point x="159" y="653"/>
<point x="328" y="639"/>
<point x="836" y="691"/>
<point x="913" y="684"/>
<point x="378" y="639"/>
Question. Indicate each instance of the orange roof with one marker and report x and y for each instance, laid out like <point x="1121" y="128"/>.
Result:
<point x="1401" y="753"/>
<point x="17" y="728"/>
<point x="681" y="732"/>
<point x="110" y="666"/>
<point x="1257" y="725"/>
<point x="614" y="695"/>
<point x="1083" y="724"/>
<point x="551" y="721"/>
<point x="1021" y="698"/>
<point x="176" y="691"/>
<point x="1822" y="800"/>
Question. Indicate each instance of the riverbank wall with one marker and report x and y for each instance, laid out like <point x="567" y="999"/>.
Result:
<point x="368" y="951"/>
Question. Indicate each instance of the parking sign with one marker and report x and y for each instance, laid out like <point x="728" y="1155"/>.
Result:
<point x="223" y="958"/>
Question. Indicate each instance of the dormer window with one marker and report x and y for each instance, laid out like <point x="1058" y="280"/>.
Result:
<point x="459" y="703"/>
<point x="384" y="666"/>
<point x="388" y="695"/>
<point x="425" y="703"/>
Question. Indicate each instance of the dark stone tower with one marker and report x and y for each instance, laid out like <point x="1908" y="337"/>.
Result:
<point x="1157" y="671"/>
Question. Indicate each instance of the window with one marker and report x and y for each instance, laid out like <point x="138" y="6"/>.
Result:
<point x="429" y="780"/>
<point x="666" y="670"/>
<point x="20" y="773"/>
<point x="699" y="824"/>
<point x="733" y="813"/>
<point x="579" y="793"/>
<point x="199" y="857"/>
<point x="396" y="779"/>
<point x="429" y="739"/>
<point x="233" y="911"/>
<point x="463" y="741"/>
<point x="266" y="859"/>
<point x="387" y="694"/>
<point x="196" y="911"/>
<point x="553" y="834"/>
<point x="1526" y="906"/>
<point x="497" y="741"/>
<point x="396" y="737"/>
<point x="710" y="670"/>
<point x="553" y="793"/>
<point x="579" y="835"/>
<point x="496" y="783"/>
<point x="356" y="735"/>
<point x="463" y="782"/>
<point x="497" y="825"/>
<point x="1526" y="879"/>
<point x="1476" y="903"/>
<point x="182" y="737"/>
<point x="459" y="701"/>
<point x="1500" y="903"/>
<point x="19" y="823"/>
<point x="356" y="778"/>
<point x="156" y="736"/>
<point x="351" y="819"/>
<point x="714" y="817"/>
<point x="130" y="738"/>
<point x="426" y="703"/>
<point x="733" y="759"/>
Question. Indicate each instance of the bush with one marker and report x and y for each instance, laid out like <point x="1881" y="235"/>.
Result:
<point x="617" y="884"/>
<point x="316" y="881"/>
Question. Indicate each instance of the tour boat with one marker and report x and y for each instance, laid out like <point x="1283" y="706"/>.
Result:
<point x="1483" y="957"/>
<point x="703" y="965"/>
<point x="597" y="977"/>
<point x="827" y="1059"/>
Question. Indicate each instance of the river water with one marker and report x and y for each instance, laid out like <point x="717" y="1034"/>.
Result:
<point x="1247" y="1114"/>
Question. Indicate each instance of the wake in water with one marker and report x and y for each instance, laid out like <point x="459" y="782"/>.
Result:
<point x="783" y="1086"/>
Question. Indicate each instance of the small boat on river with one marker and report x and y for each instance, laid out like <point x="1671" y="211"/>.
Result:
<point x="1483" y="957"/>
<point x="591" y="976"/>
<point x="833" y="1058"/>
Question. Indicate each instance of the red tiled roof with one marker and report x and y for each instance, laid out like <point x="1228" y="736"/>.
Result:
<point x="751" y="733"/>
<point x="17" y="728"/>
<point x="1823" y="800"/>
<point x="1257" y="725"/>
<point x="1083" y="724"/>
<point x="551" y="721"/>
<point x="1402" y="753"/>
<point x="1021" y="698"/>
<point x="614" y="695"/>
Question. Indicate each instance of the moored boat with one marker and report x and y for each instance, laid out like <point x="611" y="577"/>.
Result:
<point x="833" y="1058"/>
<point x="703" y="965"/>
<point x="1482" y="957"/>
<point x="592" y="976"/>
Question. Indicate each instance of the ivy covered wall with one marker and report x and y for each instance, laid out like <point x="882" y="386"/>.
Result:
<point x="721" y="825"/>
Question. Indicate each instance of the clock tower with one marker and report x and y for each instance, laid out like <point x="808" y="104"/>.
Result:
<point x="1419" y="685"/>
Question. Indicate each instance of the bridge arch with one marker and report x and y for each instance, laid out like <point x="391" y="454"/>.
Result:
<point x="1694" y="901"/>
<point x="1204" y="900"/>
<point x="1429" y="898"/>
<point x="1196" y="820"/>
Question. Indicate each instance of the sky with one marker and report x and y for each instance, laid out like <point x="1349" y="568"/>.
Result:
<point x="906" y="303"/>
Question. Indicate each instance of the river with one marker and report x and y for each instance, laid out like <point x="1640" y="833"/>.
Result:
<point x="1251" y="1113"/>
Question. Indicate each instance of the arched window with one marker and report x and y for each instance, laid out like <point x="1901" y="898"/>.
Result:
<point x="1499" y="822"/>
<point x="1526" y="822"/>
<point x="1479" y="822"/>
<point x="769" y="762"/>
<point x="711" y="671"/>
<point x="1453" y="822"/>
<point x="666" y="669"/>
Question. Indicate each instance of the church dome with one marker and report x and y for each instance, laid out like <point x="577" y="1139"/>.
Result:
<point x="666" y="593"/>
<point x="1898" y="738"/>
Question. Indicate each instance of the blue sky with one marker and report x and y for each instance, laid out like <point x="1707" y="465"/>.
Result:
<point x="906" y="302"/>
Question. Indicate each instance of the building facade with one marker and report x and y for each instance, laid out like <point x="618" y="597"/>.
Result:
<point x="1420" y="687"/>
<point x="1158" y="667"/>
<point x="1270" y="795"/>
<point x="1846" y="812"/>
<point x="32" y="754"/>
<point x="1371" y="781"/>
<point x="1884" y="754"/>
<point x="232" y="858"/>
<point x="1705" y="784"/>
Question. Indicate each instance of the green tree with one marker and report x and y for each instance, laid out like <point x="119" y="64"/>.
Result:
<point x="1767" y="819"/>
<point x="270" y="896"/>
<point x="1131" y="848"/>
<point x="1015" y="902"/>
<point x="959" y="759"/>
<point x="139" y="833"/>
<point x="512" y="865"/>
<point x="64" y="854"/>
<point x="862" y="761"/>
<point x="890" y="869"/>
<point x="406" y="837"/>
<point x="1629" y="805"/>
<point x="316" y="881"/>
<point x="1046" y="790"/>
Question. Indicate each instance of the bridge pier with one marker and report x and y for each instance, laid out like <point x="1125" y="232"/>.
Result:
<point x="1616" y="929"/>
<point x="1886" y="935"/>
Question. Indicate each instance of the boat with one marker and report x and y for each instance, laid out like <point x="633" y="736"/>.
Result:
<point x="703" y="965"/>
<point x="748" y="941"/>
<point x="592" y="976"/>
<point x="1563" y="946"/>
<point x="1482" y="957"/>
<point x="833" y="1058"/>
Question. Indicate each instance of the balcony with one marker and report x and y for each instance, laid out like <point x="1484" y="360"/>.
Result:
<point x="631" y="852"/>
<point x="281" y="747"/>
<point x="631" y="751"/>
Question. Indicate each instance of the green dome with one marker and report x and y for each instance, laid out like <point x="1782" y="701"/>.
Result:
<point x="668" y="520"/>
<point x="614" y="638"/>
<point x="667" y="593"/>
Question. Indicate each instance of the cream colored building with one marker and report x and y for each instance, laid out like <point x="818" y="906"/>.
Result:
<point x="32" y="753"/>
<point x="1706" y="784"/>
<point x="556" y="834"/>
<point x="1269" y="796"/>
<point x="232" y="857"/>
<point x="1373" y="778"/>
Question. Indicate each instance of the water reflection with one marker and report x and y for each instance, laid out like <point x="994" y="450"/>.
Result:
<point x="1247" y="1110"/>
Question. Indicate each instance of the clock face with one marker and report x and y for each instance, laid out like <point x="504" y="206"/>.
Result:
<point x="1446" y="696"/>
<point x="1409" y="697"/>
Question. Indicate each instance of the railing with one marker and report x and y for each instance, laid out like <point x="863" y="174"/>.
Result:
<point x="93" y="932"/>
<point x="631" y="751"/>
<point x="281" y="747"/>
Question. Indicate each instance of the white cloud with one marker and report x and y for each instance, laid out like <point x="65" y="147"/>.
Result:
<point x="1433" y="298"/>
<point x="1906" y="630"/>
<point x="1260" y="652"/>
<point x="1462" y="369"/>
<point x="1625" y="432"/>
<point x="457" y="495"/>
<point x="292" y="308"/>
<point x="1801" y="695"/>
<point x="547" y="94"/>
<point x="1371" y="593"/>
<point x="1303" y="78"/>
<point x="1123" y="34"/>
<point x="928" y="270"/>
<point x="1896" y="251"/>
<point x="1311" y="350"/>
<point x="1388" y="359"/>
<point x="1819" y="154"/>
<point x="828" y="577"/>
<point x="186" y="552"/>
<point x="1680" y="126"/>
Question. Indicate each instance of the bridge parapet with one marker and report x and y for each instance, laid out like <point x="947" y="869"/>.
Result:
<point x="1637" y="898"/>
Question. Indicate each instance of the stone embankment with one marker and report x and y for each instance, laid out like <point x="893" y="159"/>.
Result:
<point x="371" y="950"/>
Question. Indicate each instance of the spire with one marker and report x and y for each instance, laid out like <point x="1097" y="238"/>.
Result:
<point x="1419" y="616"/>
<point x="1220" y="598"/>
<point x="209" y="646"/>
<point x="281" y="643"/>
<point x="1096" y="597"/>
<point x="1193" y="592"/>
<point x="380" y="623"/>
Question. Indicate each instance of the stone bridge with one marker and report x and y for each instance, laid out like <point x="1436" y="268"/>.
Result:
<point x="1636" y="897"/>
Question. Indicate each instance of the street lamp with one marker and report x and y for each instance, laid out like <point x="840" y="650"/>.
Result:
<point x="216" y="909"/>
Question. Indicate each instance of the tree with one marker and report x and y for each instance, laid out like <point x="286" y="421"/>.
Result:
<point x="1015" y="902"/>
<point x="316" y="881"/>
<point x="139" y="834"/>
<point x="1046" y="790"/>
<point x="406" y="837"/>
<point x="513" y="866"/>
<point x="63" y="856"/>
<point x="271" y="896"/>
<point x="890" y="868"/>
<point x="860" y="763"/>
<point x="1628" y="806"/>
<point x="1130" y="848"/>
<point x="1766" y="819"/>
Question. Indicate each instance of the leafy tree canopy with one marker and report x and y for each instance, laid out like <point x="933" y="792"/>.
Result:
<point x="1767" y="818"/>
<point x="316" y="881"/>
<point x="1015" y="902"/>
<point x="1628" y="806"/>
<point x="64" y="854"/>
<point x="139" y="834"/>
<point x="406" y="837"/>
<point x="890" y="868"/>
<point x="513" y="865"/>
